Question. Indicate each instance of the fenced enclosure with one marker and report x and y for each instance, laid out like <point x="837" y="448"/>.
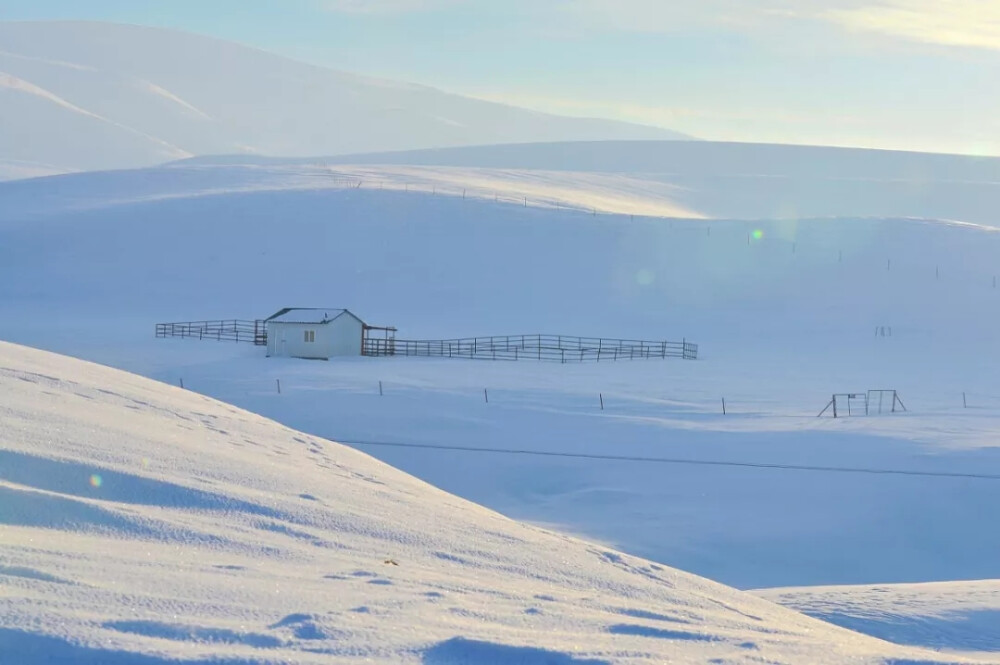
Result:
<point x="869" y="403"/>
<point x="552" y="348"/>
<point x="231" y="330"/>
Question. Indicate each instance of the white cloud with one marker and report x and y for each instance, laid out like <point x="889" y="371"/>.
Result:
<point x="970" y="23"/>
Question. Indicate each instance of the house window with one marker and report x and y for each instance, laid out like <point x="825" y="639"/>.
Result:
<point x="310" y="335"/>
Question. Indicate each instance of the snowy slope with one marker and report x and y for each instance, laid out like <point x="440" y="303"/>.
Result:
<point x="751" y="181"/>
<point x="681" y="178"/>
<point x="694" y="158"/>
<point x="143" y="524"/>
<point x="660" y="179"/>
<point x="95" y="96"/>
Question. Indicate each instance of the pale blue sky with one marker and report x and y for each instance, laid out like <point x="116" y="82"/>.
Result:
<point x="911" y="74"/>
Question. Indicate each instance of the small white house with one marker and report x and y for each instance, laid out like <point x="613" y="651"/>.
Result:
<point x="316" y="333"/>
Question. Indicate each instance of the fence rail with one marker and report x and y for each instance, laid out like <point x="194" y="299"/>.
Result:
<point x="231" y="330"/>
<point x="553" y="348"/>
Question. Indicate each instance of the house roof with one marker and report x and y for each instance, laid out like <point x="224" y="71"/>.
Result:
<point x="314" y="315"/>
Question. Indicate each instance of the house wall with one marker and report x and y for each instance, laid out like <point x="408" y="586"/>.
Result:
<point x="340" y="337"/>
<point x="343" y="336"/>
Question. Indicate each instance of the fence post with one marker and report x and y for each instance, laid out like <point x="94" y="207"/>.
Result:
<point x="279" y="385"/>
<point x="965" y="405"/>
<point x="723" y="406"/>
<point x="380" y="389"/>
<point x="602" y="400"/>
<point x="182" y="382"/>
<point x="486" y="395"/>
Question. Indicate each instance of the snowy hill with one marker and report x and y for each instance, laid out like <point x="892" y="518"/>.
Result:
<point x="80" y="95"/>
<point x="144" y="524"/>
<point x="677" y="179"/>
<point x="748" y="180"/>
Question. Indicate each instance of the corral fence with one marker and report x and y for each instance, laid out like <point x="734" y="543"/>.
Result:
<point x="230" y="330"/>
<point x="552" y="348"/>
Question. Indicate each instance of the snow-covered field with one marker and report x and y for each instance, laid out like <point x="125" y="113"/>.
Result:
<point x="935" y="615"/>
<point x="146" y="524"/>
<point x="784" y="310"/>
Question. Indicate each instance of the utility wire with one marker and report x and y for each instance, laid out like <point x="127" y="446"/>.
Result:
<point x="670" y="460"/>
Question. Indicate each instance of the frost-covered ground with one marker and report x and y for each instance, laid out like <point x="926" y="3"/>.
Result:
<point x="145" y="524"/>
<point x="784" y="311"/>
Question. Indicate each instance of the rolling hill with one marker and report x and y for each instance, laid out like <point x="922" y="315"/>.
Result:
<point x="83" y="95"/>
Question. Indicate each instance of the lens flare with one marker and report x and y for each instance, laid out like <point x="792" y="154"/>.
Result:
<point x="645" y="277"/>
<point x="757" y="234"/>
<point x="96" y="480"/>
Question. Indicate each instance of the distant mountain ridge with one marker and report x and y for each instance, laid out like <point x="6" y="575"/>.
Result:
<point x="86" y="95"/>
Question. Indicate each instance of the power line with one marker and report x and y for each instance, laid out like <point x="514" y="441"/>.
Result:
<point x="671" y="460"/>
